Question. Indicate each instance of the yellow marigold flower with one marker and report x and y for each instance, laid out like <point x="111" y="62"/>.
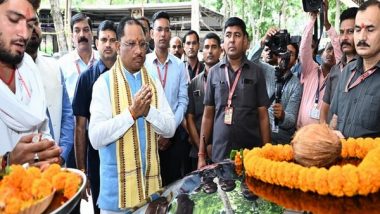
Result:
<point x="13" y="205"/>
<point x="59" y="180"/>
<point x="270" y="164"/>
<point x="41" y="188"/>
<point x="335" y="181"/>
<point x="321" y="182"/>
<point x="52" y="170"/>
<point x="273" y="173"/>
<point x="72" y="184"/>
<point x="267" y="176"/>
<point x="349" y="172"/>
<point x="15" y="176"/>
<point x="302" y="179"/>
<point x="310" y="182"/>
<point x="34" y="172"/>
<point x="26" y="185"/>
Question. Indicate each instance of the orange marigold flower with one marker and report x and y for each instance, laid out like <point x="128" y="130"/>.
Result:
<point x="34" y="172"/>
<point x="15" y="176"/>
<point x="349" y="172"/>
<point x="321" y="182"/>
<point x="13" y="205"/>
<point x="72" y="184"/>
<point x="59" y="180"/>
<point x="335" y="181"/>
<point x="41" y="188"/>
<point x="52" y="170"/>
<point x="270" y="164"/>
<point x="302" y="179"/>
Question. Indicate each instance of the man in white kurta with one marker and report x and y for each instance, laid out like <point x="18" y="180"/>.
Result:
<point x="128" y="112"/>
<point x="22" y="97"/>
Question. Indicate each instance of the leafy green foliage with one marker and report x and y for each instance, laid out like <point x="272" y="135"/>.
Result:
<point x="259" y="15"/>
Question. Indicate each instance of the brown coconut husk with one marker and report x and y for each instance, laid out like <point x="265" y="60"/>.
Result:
<point x="316" y="145"/>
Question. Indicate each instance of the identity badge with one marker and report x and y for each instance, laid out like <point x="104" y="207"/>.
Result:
<point x="314" y="113"/>
<point x="228" y="115"/>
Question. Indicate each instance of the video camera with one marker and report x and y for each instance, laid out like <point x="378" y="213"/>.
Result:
<point x="311" y="5"/>
<point x="278" y="43"/>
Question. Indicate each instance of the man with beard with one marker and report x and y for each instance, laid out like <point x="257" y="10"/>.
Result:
<point x="191" y="47"/>
<point x="346" y="38"/>
<point x="176" y="47"/>
<point x="211" y="54"/>
<point x="61" y="119"/>
<point x="356" y="101"/>
<point x="87" y="158"/>
<point x="236" y="99"/>
<point x="80" y="59"/>
<point x="24" y="129"/>
<point x="314" y="76"/>
<point x="171" y="72"/>
<point x="128" y="112"/>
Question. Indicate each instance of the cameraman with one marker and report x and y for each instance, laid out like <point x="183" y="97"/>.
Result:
<point x="314" y="76"/>
<point x="283" y="111"/>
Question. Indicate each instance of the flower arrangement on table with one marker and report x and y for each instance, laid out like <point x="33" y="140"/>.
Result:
<point x="277" y="164"/>
<point x="22" y="188"/>
<point x="297" y="200"/>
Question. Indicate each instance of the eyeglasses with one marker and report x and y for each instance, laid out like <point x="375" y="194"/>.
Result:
<point x="133" y="45"/>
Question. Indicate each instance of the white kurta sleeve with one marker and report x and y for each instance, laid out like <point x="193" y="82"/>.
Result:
<point x="105" y="129"/>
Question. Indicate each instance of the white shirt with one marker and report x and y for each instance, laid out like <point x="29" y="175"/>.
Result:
<point x="71" y="66"/>
<point x="105" y="129"/>
<point x="51" y="79"/>
<point x="28" y="85"/>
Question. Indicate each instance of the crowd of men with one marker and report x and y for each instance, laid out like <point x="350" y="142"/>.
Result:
<point x="143" y="109"/>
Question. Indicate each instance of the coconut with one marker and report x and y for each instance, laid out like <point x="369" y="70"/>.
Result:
<point x="316" y="145"/>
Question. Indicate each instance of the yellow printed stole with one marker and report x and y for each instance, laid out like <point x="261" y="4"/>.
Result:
<point x="134" y="187"/>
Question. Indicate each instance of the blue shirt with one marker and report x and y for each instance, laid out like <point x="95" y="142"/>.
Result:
<point x="176" y="82"/>
<point x="66" y="139"/>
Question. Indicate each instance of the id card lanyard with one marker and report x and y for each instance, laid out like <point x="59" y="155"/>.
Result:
<point x="314" y="112"/>
<point x="360" y="79"/>
<point x="229" y="110"/>
<point x="89" y="65"/>
<point x="162" y="80"/>
<point x="317" y="93"/>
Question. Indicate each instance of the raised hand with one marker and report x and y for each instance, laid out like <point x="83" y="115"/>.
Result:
<point x="141" y="102"/>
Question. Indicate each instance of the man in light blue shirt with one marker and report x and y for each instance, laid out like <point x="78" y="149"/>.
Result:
<point x="172" y="74"/>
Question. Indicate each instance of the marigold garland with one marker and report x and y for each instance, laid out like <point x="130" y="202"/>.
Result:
<point x="22" y="188"/>
<point x="272" y="164"/>
<point x="301" y="201"/>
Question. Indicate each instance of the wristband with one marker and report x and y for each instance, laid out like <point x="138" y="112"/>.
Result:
<point x="201" y="154"/>
<point x="4" y="161"/>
